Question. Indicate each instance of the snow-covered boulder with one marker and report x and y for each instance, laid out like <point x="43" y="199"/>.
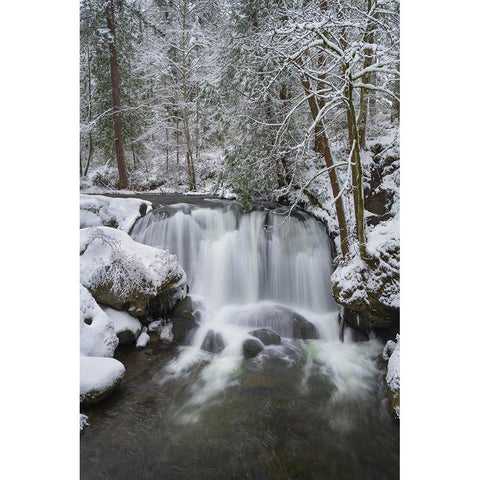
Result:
<point x="83" y="421"/>
<point x="98" y="210"/>
<point x="127" y="275"/>
<point x="126" y="327"/>
<point x="98" y="377"/>
<point x="392" y="350"/>
<point x="97" y="332"/>
<point x="143" y="339"/>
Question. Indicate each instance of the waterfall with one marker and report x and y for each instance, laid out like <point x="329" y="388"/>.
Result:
<point x="234" y="258"/>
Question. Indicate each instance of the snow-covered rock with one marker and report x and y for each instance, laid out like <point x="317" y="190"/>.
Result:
<point x="154" y="326"/>
<point x="97" y="210"/>
<point x="98" y="377"/>
<point x="393" y="374"/>
<point x="143" y="339"/>
<point x="97" y="332"/>
<point x="166" y="332"/>
<point x="125" y="274"/>
<point x="126" y="327"/>
<point x="83" y="421"/>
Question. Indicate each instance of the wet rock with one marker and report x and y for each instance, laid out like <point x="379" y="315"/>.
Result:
<point x="266" y="336"/>
<point x="280" y="319"/>
<point x="251" y="348"/>
<point x="213" y="342"/>
<point x="183" y="320"/>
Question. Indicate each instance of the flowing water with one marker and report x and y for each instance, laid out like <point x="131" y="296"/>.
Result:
<point x="310" y="407"/>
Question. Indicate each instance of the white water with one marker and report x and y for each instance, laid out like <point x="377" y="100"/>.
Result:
<point x="239" y="268"/>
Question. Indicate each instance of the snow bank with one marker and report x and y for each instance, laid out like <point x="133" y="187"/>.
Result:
<point x="393" y="374"/>
<point x="127" y="328"/>
<point x="98" y="377"/>
<point x="97" y="332"/>
<point x="119" y="271"/>
<point x="98" y="210"/>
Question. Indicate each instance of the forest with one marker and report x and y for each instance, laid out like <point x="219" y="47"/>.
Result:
<point x="240" y="168"/>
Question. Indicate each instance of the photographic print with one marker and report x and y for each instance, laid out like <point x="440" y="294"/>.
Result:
<point x="239" y="239"/>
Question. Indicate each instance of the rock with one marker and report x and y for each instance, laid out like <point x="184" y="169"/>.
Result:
<point x="142" y="339"/>
<point x="97" y="331"/>
<point x="266" y="336"/>
<point x="97" y="210"/>
<point x="127" y="275"/>
<point x="393" y="376"/>
<point x="127" y="327"/>
<point x="282" y="320"/>
<point x="83" y="421"/>
<point x="258" y="380"/>
<point x="98" y="378"/>
<point x="251" y="348"/>
<point x="154" y="326"/>
<point x="213" y="342"/>
<point x="166" y="332"/>
<point x="183" y="320"/>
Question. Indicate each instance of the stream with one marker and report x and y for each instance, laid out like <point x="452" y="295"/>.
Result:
<point x="305" y="407"/>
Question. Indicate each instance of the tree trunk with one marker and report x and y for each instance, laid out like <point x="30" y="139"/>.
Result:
<point x="117" y="119"/>
<point x="322" y="147"/>
<point x="366" y="78"/>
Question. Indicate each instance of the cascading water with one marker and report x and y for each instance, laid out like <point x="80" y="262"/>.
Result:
<point x="307" y="406"/>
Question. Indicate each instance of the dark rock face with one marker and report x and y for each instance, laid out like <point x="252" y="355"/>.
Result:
<point x="183" y="320"/>
<point x="213" y="342"/>
<point x="282" y="320"/>
<point x="126" y="336"/>
<point x="251" y="348"/>
<point x="266" y="336"/>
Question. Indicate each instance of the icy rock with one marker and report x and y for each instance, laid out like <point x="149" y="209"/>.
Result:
<point x="97" y="210"/>
<point x="125" y="274"/>
<point x="98" y="378"/>
<point x="97" y="331"/>
<point x="127" y="328"/>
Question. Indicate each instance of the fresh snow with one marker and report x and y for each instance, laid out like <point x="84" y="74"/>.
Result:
<point x="97" y="210"/>
<point x="98" y="374"/>
<point x="393" y="368"/>
<point x="97" y="332"/>
<point x="123" y="322"/>
<point x="129" y="265"/>
<point x="142" y="340"/>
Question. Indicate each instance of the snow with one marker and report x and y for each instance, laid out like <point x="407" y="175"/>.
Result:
<point x="98" y="374"/>
<point x="142" y="340"/>
<point x="97" y="339"/>
<point x="166" y="332"/>
<point x="123" y="322"/>
<point x="97" y="210"/>
<point x="393" y="371"/>
<point x="154" y="326"/>
<point x="110" y="255"/>
<point x="83" y="421"/>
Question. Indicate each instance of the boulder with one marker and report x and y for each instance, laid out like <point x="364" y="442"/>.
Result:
<point x="392" y="350"/>
<point x="213" y="342"/>
<point x="97" y="331"/>
<point x="127" y="328"/>
<point x="154" y="326"/>
<point x="127" y="275"/>
<point x="266" y="336"/>
<point x="251" y="347"/>
<point x="143" y="339"/>
<point x="98" y="378"/>
<point x="282" y="320"/>
<point x="183" y="320"/>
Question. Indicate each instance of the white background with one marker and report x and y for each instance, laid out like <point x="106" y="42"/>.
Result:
<point x="39" y="164"/>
